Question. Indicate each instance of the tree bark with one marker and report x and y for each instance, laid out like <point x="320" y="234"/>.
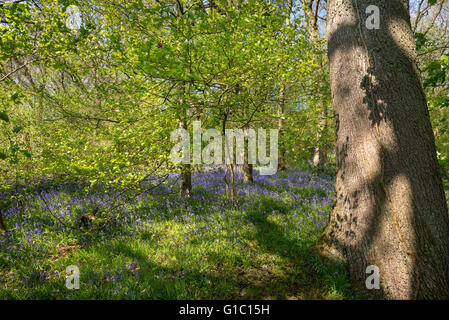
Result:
<point x="186" y="173"/>
<point x="247" y="168"/>
<point x="2" y="224"/>
<point x="281" y="106"/>
<point x="320" y="154"/>
<point x="185" y="183"/>
<point x="282" y="164"/>
<point x="390" y="208"/>
<point x="230" y="183"/>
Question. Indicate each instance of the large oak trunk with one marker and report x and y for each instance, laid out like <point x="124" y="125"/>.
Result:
<point x="390" y="208"/>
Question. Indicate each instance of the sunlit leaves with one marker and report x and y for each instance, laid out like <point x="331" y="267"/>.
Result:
<point x="4" y="116"/>
<point x="105" y="98"/>
<point x="420" y="40"/>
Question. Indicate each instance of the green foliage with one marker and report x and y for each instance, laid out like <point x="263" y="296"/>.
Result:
<point x="420" y="40"/>
<point x="98" y="104"/>
<point x="101" y="100"/>
<point x="4" y="116"/>
<point x="436" y="71"/>
<point x="163" y="247"/>
<point x="434" y="61"/>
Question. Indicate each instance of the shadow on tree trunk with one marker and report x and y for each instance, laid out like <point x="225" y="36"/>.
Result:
<point x="390" y="208"/>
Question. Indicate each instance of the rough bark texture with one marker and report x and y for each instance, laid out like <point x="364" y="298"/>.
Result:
<point x="390" y="207"/>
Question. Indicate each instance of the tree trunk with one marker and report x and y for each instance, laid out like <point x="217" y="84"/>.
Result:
<point x="230" y="183"/>
<point x="229" y="167"/>
<point x="2" y="224"/>
<point x="185" y="187"/>
<point x="281" y="105"/>
<point x="247" y="174"/>
<point x="246" y="167"/>
<point x="282" y="165"/>
<point x="186" y="181"/>
<point x="186" y="173"/>
<point x="390" y="208"/>
<point x="320" y="154"/>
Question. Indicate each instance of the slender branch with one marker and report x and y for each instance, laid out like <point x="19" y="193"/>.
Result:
<point x="19" y="68"/>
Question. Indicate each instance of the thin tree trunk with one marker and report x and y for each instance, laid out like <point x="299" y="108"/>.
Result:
<point x="390" y="208"/>
<point x="320" y="154"/>
<point x="247" y="168"/>
<point x="186" y="173"/>
<point x="185" y="183"/>
<point x="2" y="224"/>
<point x="282" y="166"/>
<point x="230" y="184"/>
<point x="281" y="107"/>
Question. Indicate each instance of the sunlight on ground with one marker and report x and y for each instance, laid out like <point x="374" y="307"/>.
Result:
<point x="159" y="246"/>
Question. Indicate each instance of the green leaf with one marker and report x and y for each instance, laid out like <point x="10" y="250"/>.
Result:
<point x="435" y="74"/>
<point x="15" y="96"/>
<point x="25" y="153"/>
<point x="445" y="59"/>
<point x="4" y="116"/>
<point x="420" y="40"/>
<point x="17" y="129"/>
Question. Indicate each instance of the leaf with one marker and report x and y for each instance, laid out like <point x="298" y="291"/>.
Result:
<point x="4" y="116"/>
<point x="14" y="96"/>
<point x="26" y="153"/>
<point x="17" y="129"/>
<point x="435" y="74"/>
<point x="445" y="59"/>
<point x="420" y="40"/>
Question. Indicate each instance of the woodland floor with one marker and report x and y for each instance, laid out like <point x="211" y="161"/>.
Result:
<point x="156" y="245"/>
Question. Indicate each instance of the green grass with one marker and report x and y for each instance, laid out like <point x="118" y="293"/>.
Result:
<point x="167" y="248"/>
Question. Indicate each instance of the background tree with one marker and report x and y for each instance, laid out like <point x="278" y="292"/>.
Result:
<point x="431" y="32"/>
